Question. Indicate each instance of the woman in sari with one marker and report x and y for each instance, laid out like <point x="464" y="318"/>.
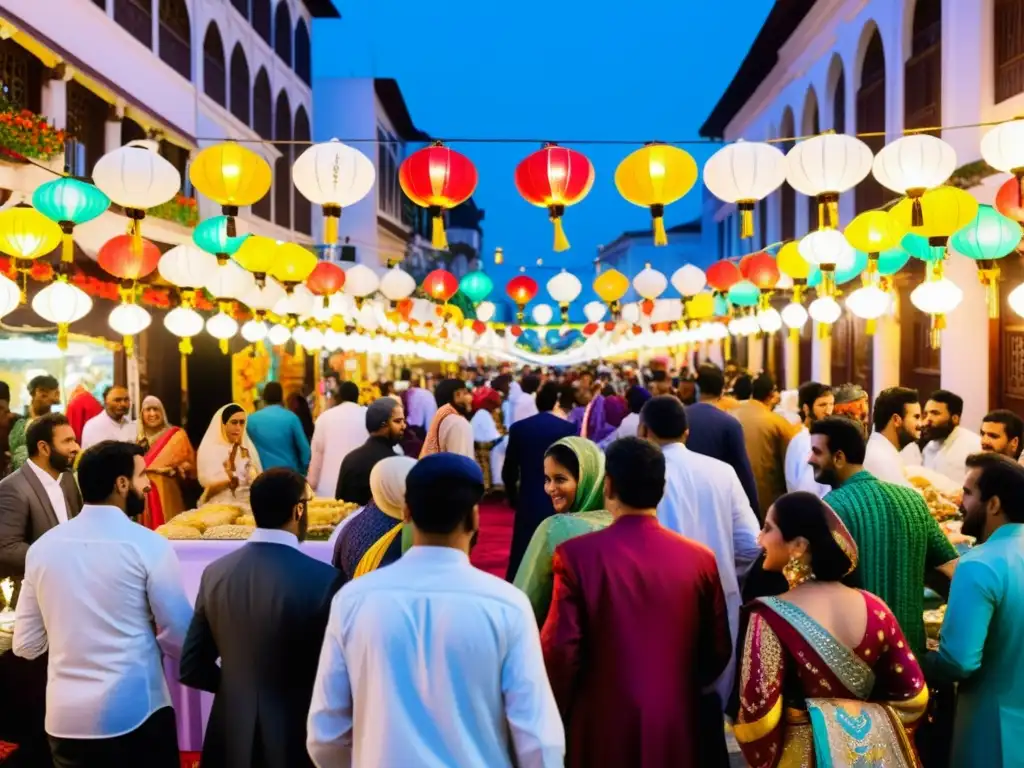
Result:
<point x="227" y="459"/>
<point x="827" y="677"/>
<point x="574" y="479"/>
<point x="81" y="407"/>
<point x="169" y="460"/>
<point x="373" y="539"/>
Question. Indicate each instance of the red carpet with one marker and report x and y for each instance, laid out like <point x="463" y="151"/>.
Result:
<point x="491" y="551"/>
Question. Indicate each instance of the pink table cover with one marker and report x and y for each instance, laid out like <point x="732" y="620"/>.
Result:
<point x="192" y="707"/>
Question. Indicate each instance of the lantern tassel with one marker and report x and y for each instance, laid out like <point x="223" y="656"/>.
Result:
<point x="916" y="212"/>
<point x="869" y="326"/>
<point x="1020" y="186"/>
<point x="67" y="245"/>
<point x="129" y="345"/>
<point x="935" y="336"/>
<point x="135" y="230"/>
<point x="561" y="241"/>
<point x="185" y="345"/>
<point x="794" y="334"/>
<point x="746" y="208"/>
<point x="223" y="346"/>
<point x="62" y="336"/>
<point x="990" y="279"/>
<point x="331" y="230"/>
<point x="658" y="224"/>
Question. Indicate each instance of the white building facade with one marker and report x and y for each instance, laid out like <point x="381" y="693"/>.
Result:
<point x="858" y="66"/>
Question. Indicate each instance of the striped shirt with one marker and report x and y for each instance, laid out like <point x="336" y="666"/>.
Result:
<point x="898" y="541"/>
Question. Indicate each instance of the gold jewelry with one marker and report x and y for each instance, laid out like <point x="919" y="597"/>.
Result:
<point x="797" y="572"/>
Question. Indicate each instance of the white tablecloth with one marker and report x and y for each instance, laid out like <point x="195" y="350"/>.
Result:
<point x="192" y="707"/>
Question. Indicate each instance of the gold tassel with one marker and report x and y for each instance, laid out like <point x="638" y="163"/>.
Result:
<point x="67" y="248"/>
<point x="869" y="326"/>
<point x="223" y="346"/>
<point x="660" y="236"/>
<point x="136" y="232"/>
<point x="439" y="240"/>
<point x="62" y="336"/>
<point x="746" y="209"/>
<point x="794" y="334"/>
<point x="561" y="241"/>
<point x="991" y="280"/>
<point x="331" y="230"/>
<point x="129" y="345"/>
<point x="727" y="348"/>
<point x="935" y="336"/>
<point x="916" y="210"/>
<point x="185" y="346"/>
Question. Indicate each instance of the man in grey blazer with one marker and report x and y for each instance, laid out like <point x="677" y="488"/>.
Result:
<point x="262" y="610"/>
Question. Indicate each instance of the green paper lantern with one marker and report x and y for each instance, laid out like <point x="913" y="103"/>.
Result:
<point x="859" y="264"/>
<point x="744" y="294"/>
<point x="892" y="261"/>
<point x="920" y="248"/>
<point x="721" y="306"/>
<point x="476" y="285"/>
<point x="990" y="235"/>
<point x="67" y="200"/>
<point x="212" y="236"/>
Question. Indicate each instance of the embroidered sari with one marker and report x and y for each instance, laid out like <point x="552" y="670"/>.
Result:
<point x="166" y="451"/>
<point x="791" y="664"/>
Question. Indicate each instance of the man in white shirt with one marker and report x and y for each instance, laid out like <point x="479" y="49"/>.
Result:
<point x="897" y="422"/>
<point x="94" y="589"/>
<point x="636" y="396"/>
<point x="450" y="430"/>
<point x="113" y="423"/>
<point x="1002" y="431"/>
<point x="524" y="398"/>
<point x="815" y="401"/>
<point x="438" y="662"/>
<point x="704" y="501"/>
<point x="338" y="431"/>
<point x="947" y="443"/>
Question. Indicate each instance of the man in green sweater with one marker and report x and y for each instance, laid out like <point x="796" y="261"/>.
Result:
<point x="897" y="538"/>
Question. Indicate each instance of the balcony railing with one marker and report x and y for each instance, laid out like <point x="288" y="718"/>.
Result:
<point x="136" y="19"/>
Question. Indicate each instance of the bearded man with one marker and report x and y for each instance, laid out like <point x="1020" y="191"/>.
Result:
<point x="450" y="431"/>
<point x="944" y="445"/>
<point x="897" y="422"/>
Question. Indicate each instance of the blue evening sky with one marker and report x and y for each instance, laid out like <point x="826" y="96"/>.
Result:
<point x="548" y="70"/>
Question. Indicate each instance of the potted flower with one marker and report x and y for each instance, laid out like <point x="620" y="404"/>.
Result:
<point x="180" y="209"/>
<point x="25" y="135"/>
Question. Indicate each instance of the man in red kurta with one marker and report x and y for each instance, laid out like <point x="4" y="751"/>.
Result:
<point x="637" y="628"/>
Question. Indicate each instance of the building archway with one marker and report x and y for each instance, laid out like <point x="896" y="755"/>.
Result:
<point x="214" y="69"/>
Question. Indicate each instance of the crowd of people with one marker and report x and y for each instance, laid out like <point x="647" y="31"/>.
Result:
<point x="688" y="551"/>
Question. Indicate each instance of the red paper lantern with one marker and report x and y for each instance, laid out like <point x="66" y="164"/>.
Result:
<point x="760" y="269"/>
<point x="1008" y="200"/>
<point x="516" y="331"/>
<point x="479" y="327"/>
<point x="609" y="326"/>
<point x="440" y="285"/>
<point x="437" y="178"/>
<point x="722" y="275"/>
<point x="404" y="308"/>
<point x="119" y="257"/>
<point x="326" y="279"/>
<point x="552" y="178"/>
<point x="521" y="289"/>
<point x="647" y="306"/>
<point x="590" y="329"/>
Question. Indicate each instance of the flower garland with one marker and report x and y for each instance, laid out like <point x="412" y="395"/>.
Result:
<point x="24" y="134"/>
<point x="181" y="210"/>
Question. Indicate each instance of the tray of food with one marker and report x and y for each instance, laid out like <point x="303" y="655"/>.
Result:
<point x="227" y="522"/>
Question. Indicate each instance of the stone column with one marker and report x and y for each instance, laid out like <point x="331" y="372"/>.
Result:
<point x="885" y="357"/>
<point x="755" y="354"/>
<point x="791" y="353"/>
<point x="55" y="96"/>
<point x="964" y="362"/>
<point x="112" y="128"/>
<point x="821" y="356"/>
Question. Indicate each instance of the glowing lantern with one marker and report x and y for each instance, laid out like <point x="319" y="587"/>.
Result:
<point x="1016" y="299"/>
<point x="564" y="288"/>
<point x="186" y="266"/>
<point x="892" y="260"/>
<point x="841" y="276"/>
<point x="990" y="236"/>
<point x="255" y="330"/>
<point x="129" y="319"/>
<point x="828" y="250"/>
<point x="521" y="289"/>
<point x="69" y="202"/>
<point x="743" y="173"/>
<point x="869" y="302"/>
<point x="212" y="235"/>
<point x="649" y="283"/>
<point x="397" y="284"/>
<point x="360" y="281"/>
<point x="937" y="297"/>
<point x="722" y="274"/>
<point x="760" y="269"/>
<point x="437" y="178"/>
<point x="232" y="176"/>
<point x="222" y="327"/>
<point x="595" y="311"/>
<point x="744" y="294"/>
<point x="334" y="176"/>
<point x="27" y="234"/>
<point x="555" y="177"/>
<point x="791" y="263"/>
<point x="485" y="311"/>
<point x="769" y="320"/>
<point x="1003" y="149"/>
<point x="794" y="315"/>
<point x="542" y="314"/>
<point x="119" y="257"/>
<point x="440" y="285"/>
<point x="183" y="322"/>
<point x="610" y="286"/>
<point x="279" y="334"/>
<point x="873" y="232"/>
<point x="913" y="164"/>
<point x="10" y="295"/>
<point x="326" y="279"/>
<point x="689" y="280"/>
<point x="823" y="167"/>
<point x="136" y="177"/>
<point x="825" y="310"/>
<point x="229" y="281"/>
<point x="292" y="264"/>
<point x="62" y="304"/>
<point x="476" y="285"/>
<point x="921" y="248"/>
<point x="1008" y="200"/>
<point x="945" y="210"/>
<point x="653" y="177"/>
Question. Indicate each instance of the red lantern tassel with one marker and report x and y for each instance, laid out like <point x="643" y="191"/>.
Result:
<point x="658" y="222"/>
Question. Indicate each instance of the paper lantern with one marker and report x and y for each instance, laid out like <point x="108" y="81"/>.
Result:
<point x="542" y="314"/>
<point x="610" y="286"/>
<point x="791" y="263"/>
<point x="595" y="311"/>
<point x="440" y="285"/>
<point x="700" y="307"/>
<point x="521" y="289"/>
<point x="231" y="176"/>
<point x="827" y="249"/>
<point x="476" y="285"/>
<point x="869" y="302"/>
<point x="769" y="320"/>
<point x="722" y="274"/>
<point x="136" y="177"/>
<point x="437" y="178"/>
<point x="69" y="202"/>
<point x="655" y="176"/>
<point x="279" y="335"/>
<point x="913" y="164"/>
<point x="937" y="297"/>
<point x="823" y="167"/>
<point x="360" y="281"/>
<point x="892" y="260"/>
<point x="485" y="311"/>
<point x="921" y="248"/>
<point x="183" y="322"/>
<point x="1008" y="200"/>
<point x="187" y="266"/>
<point x="743" y="173"/>
<point x="873" y="232"/>
<point x="1003" y="149"/>
<point x="334" y="176"/>
<point x="299" y="302"/>
<point x="988" y="237"/>
<point x="760" y="269"/>
<point x="61" y="304"/>
<point x="27" y="234"/>
<point x="254" y="331"/>
<point x="794" y="315"/>
<point x="10" y="295"/>
<point x="689" y="280"/>
<point x="1016" y="299"/>
<point x="744" y="293"/>
<point x="555" y="177"/>
<point x="825" y="310"/>
<point x="326" y="279"/>
<point x="222" y="327"/>
<point x="841" y="276"/>
<point x="119" y="257"/>
<point x="945" y="210"/>
<point x="212" y="235"/>
<point x="397" y="284"/>
<point x="229" y="281"/>
<point x="292" y="264"/>
<point x="649" y="283"/>
<point x="129" y="320"/>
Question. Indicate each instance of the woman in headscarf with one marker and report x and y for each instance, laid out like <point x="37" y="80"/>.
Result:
<point x="487" y="437"/>
<point x="227" y="459"/>
<point x="574" y="479"/>
<point x="169" y="460"/>
<point x="374" y="538"/>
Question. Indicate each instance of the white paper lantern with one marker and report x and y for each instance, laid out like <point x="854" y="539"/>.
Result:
<point x="397" y="284"/>
<point x="314" y="339"/>
<point x="1016" y="299"/>
<point x="1003" y="147"/>
<point x="649" y="283"/>
<point x="542" y="314"/>
<point x="743" y="173"/>
<point x="129" y="319"/>
<point x="485" y="311"/>
<point x="937" y="297"/>
<point x="595" y="311"/>
<point x="869" y="302"/>
<point x="254" y="330"/>
<point x="136" y="177"/>
<point x="825" y="166"/>
<point x="187" y="266"/>
<point x="564" y="287"/>
<point x="689" y="280"/>
<point x="265" y="297"/>
<point x="769" y="320"/>
<point x="826" y="247"/>
<point x="229" y="281"/>
<point x="825" y="310"/>
<point x="183" y="322"/>
<point x="631" y="312"/>
<point x="62" y="304"/>
<point x="299" y="302"/>
<point x="10" y="295"/>
<point x="222" y="326"/>
<point x="333" y="175"/>
<point x="913" y="164"/>
<point x="360" y="281"/>
<point x="278" y="335"/>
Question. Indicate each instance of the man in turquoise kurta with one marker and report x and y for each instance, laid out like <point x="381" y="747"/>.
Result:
<point x="980" y="643"/>
<point x="277" y="433"/>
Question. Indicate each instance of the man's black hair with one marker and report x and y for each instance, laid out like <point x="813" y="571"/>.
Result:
<point x="547" y="397"/>
<point x="809" y="393"/>
<point x="348" y="392"/>
<point x="665" y="416"/>
<point x="844" y="435"/>
<point x="44" y="382"/>
<point x="444" y="393"/>
<point x="952" y="401"/>
<point x="635" y="470"/>
<point x="1012" y="423"/>
<point x="41" y="431"/>
<point x="273" y="393"/>
<point x="762" y="387"/>
<point x="101" y="465"/>
<point x="274" y="495"/>
<point x="892" y="402"/>
<point x="1003" y="477"/>
<point x="710" y="380"/>
<point x="743" y="387"/>
<point x="530" y="384"/>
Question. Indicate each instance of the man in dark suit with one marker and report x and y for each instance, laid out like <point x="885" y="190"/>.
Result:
<point x="523" y="471"/>
<point x="263" y="612"/>
<point x="716" y="433"/>
<point x="33" y="499"/>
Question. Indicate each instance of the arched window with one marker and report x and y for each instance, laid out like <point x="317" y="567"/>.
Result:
<point x="871" y="118"/>
<point x="283" y="164"/>
<point x="101" y="3"/>
<point x="263" y="124"/>
<point x="922" y="102"/>
<point x="811" y="127"/>
<point x="136" y="16"/>
<point x="261" y="18"/>
<point x="302" y="65"/>
<point x="303" y="210"/>
<point x="86" y="123"/>
<point x="214" y="71"/>
<point x="787" y="128"/>
<point x="1009" y="48"/>
<point x="283" y="32"/>
<point x="240" y="85"/>
<point x="176" y="37"/>
<point x="21" y="75"/>
<point x="242" y="6"/>
<point x="839" y="104"/>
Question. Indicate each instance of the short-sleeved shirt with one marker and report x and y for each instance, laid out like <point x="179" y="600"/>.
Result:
<point x="898" y="541"/>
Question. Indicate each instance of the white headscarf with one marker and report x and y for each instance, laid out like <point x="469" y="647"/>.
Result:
<point x="152" y="401"/>
<point x="387" y="484"/>
<point x="215" y="449"/>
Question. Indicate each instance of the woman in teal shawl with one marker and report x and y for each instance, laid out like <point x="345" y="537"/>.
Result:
<point x="574" y="479"/>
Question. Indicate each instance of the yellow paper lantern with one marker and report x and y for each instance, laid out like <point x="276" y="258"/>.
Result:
<point x="945" y="210"/>
<point x="232" y="176"/>
<point x="701" y="306"/>
<point x="873" y="232"/>
<point x="292" y="264"/>
<point x="791" y="263"/>
<point x="258" y="255"/>
<point x="611" y="286"/>
<point x="653" y="177"/>
<point x="26" y="234"/>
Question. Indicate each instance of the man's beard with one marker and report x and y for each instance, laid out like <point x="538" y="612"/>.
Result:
<point x="974" y="525"/>
<point x="60" y="462"/>
<point x="939" y="433"/>
<point x="303" y="525"/>
<point x="462" y="408"/>
<point x="827" y="476"/>
<point x="905" y="438"/>
<point x="134" y="503"/>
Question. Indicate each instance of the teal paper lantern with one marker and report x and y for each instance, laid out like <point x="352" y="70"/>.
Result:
<point x="69" y="201"/>
<point x="476" y="285"/>
<point x="989" y="236"/>
<point x="212" y="236"/>
<point x="892" y="261"/>
<point x="920" y="248"/>
<point x="721" y="305"/>
<point x="858" y="265"/>
<point x="744" y="294"/>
